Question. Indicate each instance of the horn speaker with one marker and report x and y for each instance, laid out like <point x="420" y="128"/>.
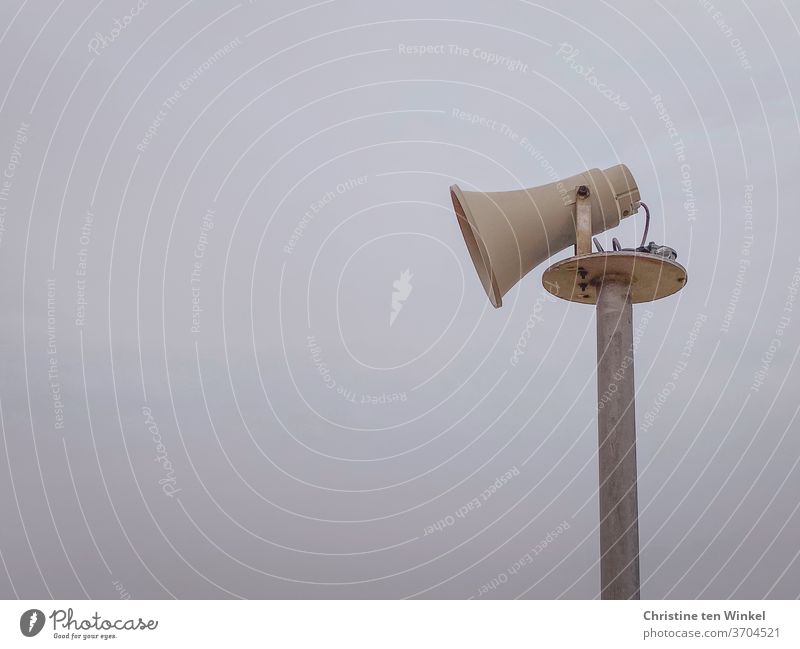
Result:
<point x="510" y="233"/>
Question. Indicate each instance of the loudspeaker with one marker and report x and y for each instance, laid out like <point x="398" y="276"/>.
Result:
<point x="509" y="233"/>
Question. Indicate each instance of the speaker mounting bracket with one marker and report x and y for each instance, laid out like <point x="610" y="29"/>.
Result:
<point x="583" y="221"/>
<point x="649" y="275"/>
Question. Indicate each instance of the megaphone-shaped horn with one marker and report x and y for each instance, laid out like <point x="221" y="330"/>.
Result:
<point x="509" y="233"/>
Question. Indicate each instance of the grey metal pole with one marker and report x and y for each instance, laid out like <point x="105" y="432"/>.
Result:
<point x="616" y="426"/>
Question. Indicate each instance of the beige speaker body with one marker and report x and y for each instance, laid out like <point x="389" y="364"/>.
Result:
<point x="509" y="233"/>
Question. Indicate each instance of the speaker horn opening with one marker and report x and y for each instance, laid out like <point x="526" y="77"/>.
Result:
<point x="476" y="247"/>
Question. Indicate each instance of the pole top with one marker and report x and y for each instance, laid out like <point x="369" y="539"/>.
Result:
<point x="651" y="277"/>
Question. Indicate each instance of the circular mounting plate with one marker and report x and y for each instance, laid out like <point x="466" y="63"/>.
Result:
<point x="578" y="279"/>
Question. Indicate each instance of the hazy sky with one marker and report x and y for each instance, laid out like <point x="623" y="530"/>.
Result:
<point x="245" y="352"/>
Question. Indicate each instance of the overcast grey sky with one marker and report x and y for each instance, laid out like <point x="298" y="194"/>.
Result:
<point x="206" y="209"/>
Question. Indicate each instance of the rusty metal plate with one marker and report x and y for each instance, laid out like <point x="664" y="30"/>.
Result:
<point x="578" y="278"/>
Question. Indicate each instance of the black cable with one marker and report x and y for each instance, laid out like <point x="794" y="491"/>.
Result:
<point x="646" y="224"/>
